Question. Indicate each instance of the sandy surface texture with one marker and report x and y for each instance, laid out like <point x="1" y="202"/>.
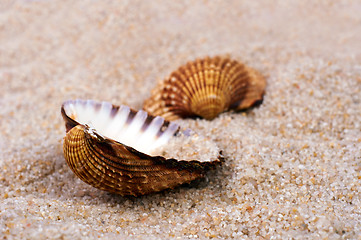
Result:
<point x="293" y="165"/>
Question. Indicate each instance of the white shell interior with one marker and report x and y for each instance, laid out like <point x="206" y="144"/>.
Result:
<point x="98" y="116"/>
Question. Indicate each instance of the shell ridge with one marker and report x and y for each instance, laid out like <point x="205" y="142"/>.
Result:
<point x="116" y="167"/>
<point x="187" y="168"/>
<point x="74" y="154"/>
<point x="92" y="168"/>
<point x="211" y="85"/>
<point x="113" y="178"/>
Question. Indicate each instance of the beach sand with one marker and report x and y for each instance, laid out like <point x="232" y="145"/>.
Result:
<point x="292" y="165"/>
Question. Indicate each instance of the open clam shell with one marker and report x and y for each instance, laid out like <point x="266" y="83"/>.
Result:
<point x="109" y="148"/>
<point x="205" y="88"/>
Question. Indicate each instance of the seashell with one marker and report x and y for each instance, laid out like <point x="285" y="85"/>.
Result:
<point x="205" y="88"/>
<point x="109" y="148"/>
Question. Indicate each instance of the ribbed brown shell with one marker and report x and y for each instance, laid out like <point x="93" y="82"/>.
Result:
<point x="114" y="167"/>
<point x="205" y="88"/>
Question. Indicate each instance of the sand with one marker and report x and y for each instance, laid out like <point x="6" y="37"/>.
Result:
<point x="292" y="166"/>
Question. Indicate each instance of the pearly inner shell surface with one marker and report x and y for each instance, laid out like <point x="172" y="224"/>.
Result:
<point x="108" y="147"/>
<point x="205" y="88"/>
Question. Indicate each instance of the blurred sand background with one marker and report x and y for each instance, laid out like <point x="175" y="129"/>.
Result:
<point x="293" y="167"/>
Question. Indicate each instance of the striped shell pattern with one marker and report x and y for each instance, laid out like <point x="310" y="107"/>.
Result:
<point x="109" y="147"/>
<point x="205" y="88"/>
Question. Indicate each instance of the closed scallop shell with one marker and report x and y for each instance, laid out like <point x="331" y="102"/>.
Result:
<point x="104" y="143"/>
<point x="205" y="88"/>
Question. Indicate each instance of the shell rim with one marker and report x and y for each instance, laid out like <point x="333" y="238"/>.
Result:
<point x="70" y="123"/>
<point x="234" y="106"/>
